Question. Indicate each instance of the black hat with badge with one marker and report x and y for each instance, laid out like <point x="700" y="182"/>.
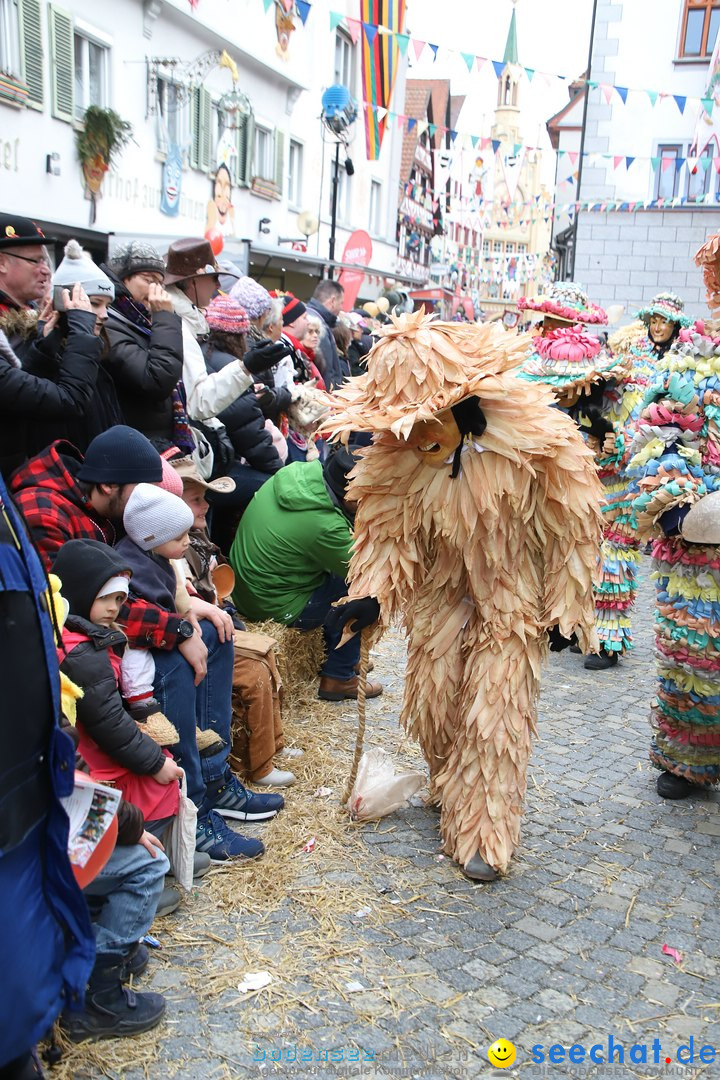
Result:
<point x="18" y="231"/>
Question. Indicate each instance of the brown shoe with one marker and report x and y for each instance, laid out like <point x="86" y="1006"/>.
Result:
<point x="339" y="689"/>
<point x="371" y="667"/>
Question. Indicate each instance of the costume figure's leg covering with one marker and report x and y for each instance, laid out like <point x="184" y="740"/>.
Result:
<point x="434" y="675"/>
<point x="619" y="556"/>
<point x="686" y="714"/>
<point x="483" y="782"/>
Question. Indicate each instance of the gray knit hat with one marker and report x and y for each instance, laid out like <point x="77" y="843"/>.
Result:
<point x="134" y="257"/>
<point x="77" y="268"/>
<point x="153" y="517"/>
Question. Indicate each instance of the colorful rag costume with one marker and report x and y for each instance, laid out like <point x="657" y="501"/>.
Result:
<point x="478" y="563"/>
<point x="676" y="461"/>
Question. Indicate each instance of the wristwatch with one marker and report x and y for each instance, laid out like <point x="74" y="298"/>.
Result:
<point x="185" y="630"/>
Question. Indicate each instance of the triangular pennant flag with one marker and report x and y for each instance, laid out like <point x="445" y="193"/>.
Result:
<point x="418" y="47"/>
<point x="495" y="145"/>
<point x="653" y="95"/>
<point x="370" y="32"/>
<point x="716" y="162"/>
<point x="622" y="93"/>
<point x="434" y="49"/>
<point x="681" y="102"/>
<point x="573" y="155"/>
<point x="453" y="136"/>
<point x="267" y="4"/>
<point x="432" y="128"/>
<point x="401" y="121"/>
<point x="529" y="72"/>
<point x="303" y="8"/>
<point x="480" y="60"/>
<point x="499" y="66"/>
<point x="655" y="162"/>
<point x="422" y="126"/>
<point x="617" y="159"/>
<point x="353" y="27"/>
<point x="679" y="162"/>
<point x="411" y="123"/>
<point x="559" y="155"/>
<point x="381" y="113"/>
<point x="469" y="59"/>
<point x="628" y="161"/>
<point x="336" y="17"/>
<point x="707" y="104"/>
<point x="474" y="140"/>
<point x="517" y="147"/>
<point x="666" y="163"/>
<point x="607" y="89"/>
<point x="403" y="40"/>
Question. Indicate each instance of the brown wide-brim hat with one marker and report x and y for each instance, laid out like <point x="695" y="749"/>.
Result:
<point x="190" y="258"/>
<point x="188" y="472"/>
<point x="18" y="231"/>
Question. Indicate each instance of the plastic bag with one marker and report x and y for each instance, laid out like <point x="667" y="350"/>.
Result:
<point x="378" y="789"/>
<point x="180" y="839"/>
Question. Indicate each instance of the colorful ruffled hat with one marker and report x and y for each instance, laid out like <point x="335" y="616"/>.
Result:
<point x="567" y="301"/>
<point x="668" y="306"/>
<point x="568" y="357"/>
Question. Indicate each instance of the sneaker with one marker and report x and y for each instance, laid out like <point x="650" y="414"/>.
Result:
<point x="232" y="800"/>
<point x="216" y="839"/>
<point x="201" y="866"/>
<point x="169" y="901"/>
<point x="276" y="778"/>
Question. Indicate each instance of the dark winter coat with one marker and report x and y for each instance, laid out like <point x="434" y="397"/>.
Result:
<point x="334" y="367"/>
<point x="244" y="421"/>
<point x="145" y="360"/>
<point x="45" y="358"/>
<point x="100" y="710"/>
<point x="357" y="351"/>
<point x="27" y="399"/>
<point x="47" y="946"/>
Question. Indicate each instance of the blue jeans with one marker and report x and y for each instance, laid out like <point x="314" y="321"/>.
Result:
<point x="339" y="663"/>
<point x="208" y="705"/>
<point x="124" y="896"/>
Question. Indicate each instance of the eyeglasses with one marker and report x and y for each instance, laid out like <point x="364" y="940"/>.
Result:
<point x="26" y="258"/>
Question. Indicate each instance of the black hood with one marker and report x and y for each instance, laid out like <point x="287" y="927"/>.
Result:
<point x="83" y="567"/>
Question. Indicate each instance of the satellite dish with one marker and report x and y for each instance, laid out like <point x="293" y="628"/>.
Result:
<point x="307" y="223"/>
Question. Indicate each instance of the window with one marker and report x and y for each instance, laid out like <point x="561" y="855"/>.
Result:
<point x="376" y="208"/>
<point x="667" y="173"/>
<point x="295" y="174"/>
<point x="343" y="195"/>
<point x="510" y="248"/>
<point x="497" y="247"/>
<point x="10" y="63"/>
<point x="344" y="61"/>
<point x="699" y="181"/>
<point x="701" y="20"/>
<point x="522" y="248"/>
<point x="486" y="248"/>
<point x="172" y="115"/>
<point x="91" y="73"/>
<point x="263" y="158"/>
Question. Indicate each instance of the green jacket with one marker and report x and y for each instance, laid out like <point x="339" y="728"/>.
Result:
<point x="289" y="539"/>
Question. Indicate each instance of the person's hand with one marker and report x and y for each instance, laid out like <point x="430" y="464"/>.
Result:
<point x="220" y="619"/>
<point x="364" y="611"/>
<point x="194" y="650"/>
<point x="48" y="317"/>
<point x="265" y="355"/>
<point x="609" y="443"/>
<point x="150" y="843"/>
<point x="158" y="299"/>
<point x="169" y="771"/>
<point x="79" y="300"/>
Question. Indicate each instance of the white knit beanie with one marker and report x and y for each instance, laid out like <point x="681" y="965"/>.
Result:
<point x="154" y="517"/>
<point x="78" y="268"/>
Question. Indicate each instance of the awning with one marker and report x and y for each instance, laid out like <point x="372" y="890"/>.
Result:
<point x="315" y="265"/>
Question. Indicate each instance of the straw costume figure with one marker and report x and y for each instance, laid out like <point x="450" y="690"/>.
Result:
<point x="477" y="527"/>
<point x="676" y="463"/>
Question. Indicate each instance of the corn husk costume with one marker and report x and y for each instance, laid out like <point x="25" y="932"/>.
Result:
<point x="476" y="567"/>
<point x="676" y="464"/>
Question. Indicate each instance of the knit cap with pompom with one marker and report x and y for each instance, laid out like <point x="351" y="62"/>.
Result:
<point x="225" y="314"/>
<point x="78" y="268"/>
<point x="252" y="296"/>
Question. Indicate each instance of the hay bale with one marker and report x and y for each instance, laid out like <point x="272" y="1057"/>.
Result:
<point x="300" y="655"/>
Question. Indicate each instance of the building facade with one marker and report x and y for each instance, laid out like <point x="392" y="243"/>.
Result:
<point x="640" y="147"/>
<point x="233" y="145"/>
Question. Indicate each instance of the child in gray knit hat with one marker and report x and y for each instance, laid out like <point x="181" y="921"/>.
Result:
<point x="77" y="273"/>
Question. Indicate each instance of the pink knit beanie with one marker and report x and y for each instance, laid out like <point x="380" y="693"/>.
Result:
<point x="225" y="314"/>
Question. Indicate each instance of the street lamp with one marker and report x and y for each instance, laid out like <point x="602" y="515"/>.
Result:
<point x="339" y="112"/>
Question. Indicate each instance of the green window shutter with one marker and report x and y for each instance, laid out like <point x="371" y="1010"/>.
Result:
<point x="280" y="160"/>
<point x="245" y="144"/>
<point x="32" y="50"/>
<point x="62" y="52"/>
<point x="200" y="129"/>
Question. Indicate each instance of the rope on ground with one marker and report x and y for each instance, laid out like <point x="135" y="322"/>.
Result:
<point x="362" y="686"/>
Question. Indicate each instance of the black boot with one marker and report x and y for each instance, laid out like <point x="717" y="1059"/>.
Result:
<point x="600" y="661"/>
<point x="111" y="1009"/>
<point x="478" y="870"/>
<point x="670" y="786"/>
<point x="135" y="962"/>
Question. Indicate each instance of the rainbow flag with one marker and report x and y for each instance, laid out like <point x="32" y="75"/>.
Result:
<point x="379" y="63"/>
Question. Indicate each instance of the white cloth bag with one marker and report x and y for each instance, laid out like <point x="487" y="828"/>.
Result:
<point x="180" y="839"/>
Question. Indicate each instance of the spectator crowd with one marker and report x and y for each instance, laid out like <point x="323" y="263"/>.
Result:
<point x="162" y="478"/>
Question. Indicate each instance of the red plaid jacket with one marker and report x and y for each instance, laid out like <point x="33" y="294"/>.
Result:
<point x="55" y="510"/>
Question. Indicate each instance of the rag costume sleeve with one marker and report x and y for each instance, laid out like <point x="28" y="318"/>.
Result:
<point x="676" y="453"/>
<point x="103" y="717"/>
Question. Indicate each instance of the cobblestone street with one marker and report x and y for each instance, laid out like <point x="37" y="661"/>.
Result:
<point x="385" y="961"/>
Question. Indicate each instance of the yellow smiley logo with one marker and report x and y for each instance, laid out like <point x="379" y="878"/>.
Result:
<point x="501" y="1054"/>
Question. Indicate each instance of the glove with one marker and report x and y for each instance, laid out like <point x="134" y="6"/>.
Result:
<point x="364" y="611"/>
<point x="265" y="355"/>
<point x="557" y="641"/>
